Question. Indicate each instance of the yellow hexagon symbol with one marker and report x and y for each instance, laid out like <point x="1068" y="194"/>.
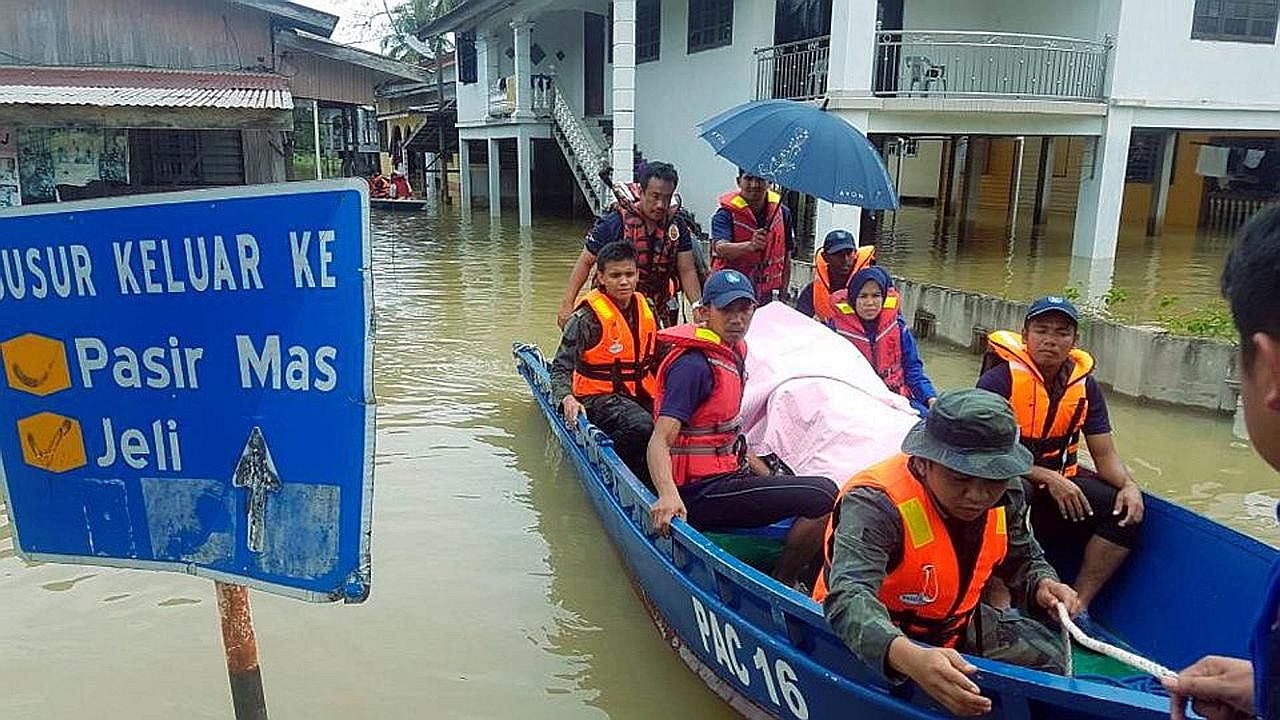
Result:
<point x="35" y="364"/>
<point x="51" y="442"/>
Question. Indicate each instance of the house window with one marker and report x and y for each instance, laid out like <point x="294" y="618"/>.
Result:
<point x="1236" y="20"/>
<point x="648" y="30"/>
<point x="467" y="71"/>
<point x="710" y="24"/>
<point x="1144" y="153"/>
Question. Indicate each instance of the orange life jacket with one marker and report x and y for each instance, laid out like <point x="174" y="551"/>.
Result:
<point x="882" y="348"/>
<point x="922" y="592"/>
<point x="862" y="257"/>
<point x="656" y="251"/>
<point x="765" y="268"/>
<point x="623" y="360"/>
<point x="1050" y="427"/>
<point x="709" y="443"/>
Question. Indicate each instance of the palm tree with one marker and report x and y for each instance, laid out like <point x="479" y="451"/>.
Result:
<point x="406" y="18"/>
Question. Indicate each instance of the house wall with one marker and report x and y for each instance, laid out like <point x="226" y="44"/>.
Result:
<point x="313" y="76"/>
<point x="917" y="177"/>
<point x="1156" y="61"/>
<point x="1077" y="18"/>
<point x="152" y="33"/>
<point x="679" y="90"/>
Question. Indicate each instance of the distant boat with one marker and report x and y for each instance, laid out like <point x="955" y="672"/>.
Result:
<point x="398" y="203"/>
<point x="1192" y="587"/>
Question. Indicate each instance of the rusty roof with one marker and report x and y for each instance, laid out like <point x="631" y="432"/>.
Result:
<point x="142" y="87"/>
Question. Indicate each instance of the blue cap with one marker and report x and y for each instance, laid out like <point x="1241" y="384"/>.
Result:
<point x="725" y="286"/>
<point x="1053" y="303"/>
<point x="838" y="240"/>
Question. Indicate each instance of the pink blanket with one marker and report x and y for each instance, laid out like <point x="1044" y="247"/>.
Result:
<point x="812" y="398"/>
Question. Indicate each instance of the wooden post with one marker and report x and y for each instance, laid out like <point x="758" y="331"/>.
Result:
<point x="242" y="652"/>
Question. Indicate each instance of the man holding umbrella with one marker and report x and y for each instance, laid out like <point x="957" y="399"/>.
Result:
<point x="753" y="233"/>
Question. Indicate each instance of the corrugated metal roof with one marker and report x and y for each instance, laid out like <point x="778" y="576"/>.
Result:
<point x="111" y="87"/>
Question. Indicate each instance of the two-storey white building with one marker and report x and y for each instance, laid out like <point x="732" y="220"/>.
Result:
<point x="1150" y="110"/>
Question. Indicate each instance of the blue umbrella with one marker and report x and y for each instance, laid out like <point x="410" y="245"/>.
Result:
<point x="804" y="148"/>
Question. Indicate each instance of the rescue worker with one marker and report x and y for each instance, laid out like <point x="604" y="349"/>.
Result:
<point x="1220" y="687"/>
<point x="1049" y="383"/>
<point x="664" y="247"/>
<point x="379" y="186"/>
<point x="752" y="232"/>
<point x="605" y="364"/>
<point x="872" y="322"/>
<point x="699" y="461"/>
<point x="913" y="541"/>
<point x="838" y="258"/>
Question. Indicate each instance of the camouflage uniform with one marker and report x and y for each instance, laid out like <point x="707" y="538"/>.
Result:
<point x="868" y="541"/>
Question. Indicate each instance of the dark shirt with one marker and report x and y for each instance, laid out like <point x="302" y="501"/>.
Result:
<point x="722" y="227"/>
<point x="804" y="302"/>
<point x="608" y="228"/>
<point x="687" y="383"/>
<point x="868" y="545"/>
<point x="1096" y="422"/>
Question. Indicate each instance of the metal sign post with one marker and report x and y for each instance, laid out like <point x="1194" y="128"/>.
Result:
<point x="188" y="386"/>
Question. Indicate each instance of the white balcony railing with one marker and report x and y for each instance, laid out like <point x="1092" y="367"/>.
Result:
<point x="502" y="97"/>
<point x="955" y="63"/>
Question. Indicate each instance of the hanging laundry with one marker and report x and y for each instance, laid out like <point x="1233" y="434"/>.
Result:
<point x="1253" y="158"/>
<point x="1213" y="161"/>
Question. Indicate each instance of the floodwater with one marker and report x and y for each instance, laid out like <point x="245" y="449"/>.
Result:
<point x="496" y="594"/>
<point x="1179" y="269"/>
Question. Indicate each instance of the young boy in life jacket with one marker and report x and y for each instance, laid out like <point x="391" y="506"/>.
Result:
<point x="605" y="364"/>
<point x="866" y="314"/>
<point x="662" y="242"/>
<point x="838" y="258"/>
<point x="1078" y="513"/>
<point x="913" y="541"/>
<point x="699" y="461"/>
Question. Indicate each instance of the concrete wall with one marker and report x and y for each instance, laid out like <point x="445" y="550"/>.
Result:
<point x="918" y="176"/>
<point x="1076" y="18"/>
<point x="1155" y="60"/>
<point x="679" y="90"/>
<point x="1135" y="361"/>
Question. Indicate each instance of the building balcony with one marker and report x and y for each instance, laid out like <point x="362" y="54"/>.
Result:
<point x="793" y="71"/>
<point x="979" y="64"/>
<point x="502" y="98"/>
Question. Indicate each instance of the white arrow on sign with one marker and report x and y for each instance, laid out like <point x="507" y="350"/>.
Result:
<point x="256" y="471"/>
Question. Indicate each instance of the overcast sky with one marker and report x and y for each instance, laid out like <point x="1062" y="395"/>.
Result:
<point x="361" y="23"/>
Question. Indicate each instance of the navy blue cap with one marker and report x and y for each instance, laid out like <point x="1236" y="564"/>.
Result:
<point x="1053" y="303"/>
<point x="725" y="286"/>
<point x="838" y="240"/>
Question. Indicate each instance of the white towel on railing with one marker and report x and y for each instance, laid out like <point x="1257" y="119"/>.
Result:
<point x="1213" y="161"/>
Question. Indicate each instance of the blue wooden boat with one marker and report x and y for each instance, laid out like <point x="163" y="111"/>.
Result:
<point x="1193" y="587"/>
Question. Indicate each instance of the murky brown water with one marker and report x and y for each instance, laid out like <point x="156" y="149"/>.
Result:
<point x="1181" y="265"/>
<point x="496" y="594"/>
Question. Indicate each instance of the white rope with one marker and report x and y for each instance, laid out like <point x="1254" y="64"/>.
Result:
<point x="1071" y="630"/>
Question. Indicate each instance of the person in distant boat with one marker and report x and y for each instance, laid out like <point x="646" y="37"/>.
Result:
<point x="699" y="461"/>
<point x="664" y="246"/>
<point x="838" y="258"/>
<point x="753" y="232"/>
<point x="866" y="314"/>
<point x="913" y="541"/>
<point x="1049" y="383"/>
<point x="605" y="364"/>
<point x="379" y="186"/>
<point x="1220" y="687"/>
<point x="400" y="188"/>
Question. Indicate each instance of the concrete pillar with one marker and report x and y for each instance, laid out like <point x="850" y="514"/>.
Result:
<point x="524" y="166"/>
<point x="495" y="180"/>
<point x="1015" y="183"/>
<point x="1160" y="184"/>
<point x="624" y="90"/>
<point x="1092" y="276"/>
<point x="974" y="158"/>
<point x="1044" y="182"/>
<point x="853" y="49"/>
<point x="1102" y="188"/>
<point x="464" y="172"/>
<point x="524" y="68"/>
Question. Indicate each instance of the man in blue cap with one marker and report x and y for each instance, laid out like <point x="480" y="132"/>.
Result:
<point x="1049" y="383"/>
<point x="699" y="461"/>
<point x="838" y="259"/>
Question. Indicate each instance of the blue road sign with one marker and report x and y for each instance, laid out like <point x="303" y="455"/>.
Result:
<point x="188" y="384"/>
